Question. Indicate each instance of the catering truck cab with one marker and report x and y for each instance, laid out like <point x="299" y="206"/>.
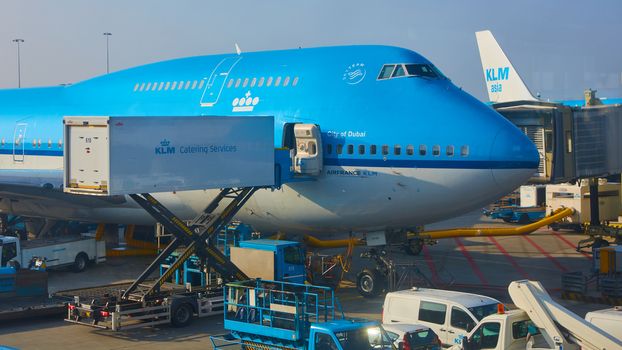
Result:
<point x="75" y="251"/>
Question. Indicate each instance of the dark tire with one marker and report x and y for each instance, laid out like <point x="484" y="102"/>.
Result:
<point x="369" y="283"/>
<point x="524" y="219"/>
<point x="508" y="220"/>
<point x="554" y="227"/>
<point x="81" y="262"/>
<point x="414" y="246"/>
<point x="181" y="315"/>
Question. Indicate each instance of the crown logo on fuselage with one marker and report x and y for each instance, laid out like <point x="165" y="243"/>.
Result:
<point x="246" y="103"/>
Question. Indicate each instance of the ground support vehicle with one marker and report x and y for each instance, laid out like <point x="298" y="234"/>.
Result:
<point x="412" y="336"/>
<point x="24" y="294"/>
<point x="521" y="215"/>
<point x="539" y="322"/>
<point x="262" y="314"/>
<point x="76" y="251"/>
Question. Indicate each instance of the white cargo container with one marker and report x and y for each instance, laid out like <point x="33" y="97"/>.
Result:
<point x="578" y="198"/>
<point x="532" y="195"/>
<point x="123" y="155"/>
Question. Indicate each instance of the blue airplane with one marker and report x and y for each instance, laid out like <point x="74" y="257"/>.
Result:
<point x="503" y="82"/>
<point x="395" y="143"/>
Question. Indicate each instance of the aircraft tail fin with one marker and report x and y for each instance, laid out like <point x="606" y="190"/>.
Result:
<point x="502" y="80"/>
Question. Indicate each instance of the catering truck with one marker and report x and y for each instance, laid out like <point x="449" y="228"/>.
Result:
<point x="73" y="251"/>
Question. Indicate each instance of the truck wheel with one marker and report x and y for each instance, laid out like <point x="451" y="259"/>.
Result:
<point x="369" y="283"/>
<point x="80" y="263"/>
<point x="524" y="219"/>
<point x="181" y="315"/>
<point x="414" y="246"/>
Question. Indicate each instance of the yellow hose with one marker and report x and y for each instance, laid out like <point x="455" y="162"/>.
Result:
<point x="452" y="233"/>
<point x="498" y="231"/>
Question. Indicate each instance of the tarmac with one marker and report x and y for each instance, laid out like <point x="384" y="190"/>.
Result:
<point x="483" y="265"/>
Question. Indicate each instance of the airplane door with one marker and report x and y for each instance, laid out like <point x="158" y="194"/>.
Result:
<point x="217" y="81"/>
<point x="19" y="144"/>
<point x="308" y="159"/>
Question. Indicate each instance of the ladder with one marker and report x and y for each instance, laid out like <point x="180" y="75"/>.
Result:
<point x="196" y="238"/>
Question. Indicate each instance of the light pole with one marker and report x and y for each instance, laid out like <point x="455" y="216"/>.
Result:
<point x="107" y="35"/>
<point x="19" y="68"/>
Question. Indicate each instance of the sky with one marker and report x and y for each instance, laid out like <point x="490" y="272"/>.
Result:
<point x="560" y="47"/>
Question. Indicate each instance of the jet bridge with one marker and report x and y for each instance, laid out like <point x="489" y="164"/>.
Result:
<point x="135" y="156"/>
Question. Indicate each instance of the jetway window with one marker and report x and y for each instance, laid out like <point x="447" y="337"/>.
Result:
<point x="339" y="149"/>
<point x="361" y="149"/>
<point x="397" y="150"/>
<point x="548" y="141"/>
<point x="295" y="82"/>
<point x="436" y="150"/>
<point x="329" y="148"/>
<point x="350" y="149"/>
<point x="568" y="141"/>
<point x="372" y="149"/>
<point x="464" y="151"/>
<point x="386" y="71"/>
<point x="423" y="149"/>
<point x="385" y="150"/>
<point x="399" y="71"/>
<point x="449" y="150"/>
<point x="410" y="150"/>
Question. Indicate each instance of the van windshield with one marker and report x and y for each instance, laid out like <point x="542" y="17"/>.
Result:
<point x="483" y="310"/>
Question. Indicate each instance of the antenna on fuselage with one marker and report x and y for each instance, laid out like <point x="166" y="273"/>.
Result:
<point x="237" y="49"/>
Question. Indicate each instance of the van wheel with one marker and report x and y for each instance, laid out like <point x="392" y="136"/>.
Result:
<point x="181" y="315"/>
<point x="524" y="219"/>
<point x="414" y="246"/>
<point x="80" y="263"/>
<point x="369" y="283"/>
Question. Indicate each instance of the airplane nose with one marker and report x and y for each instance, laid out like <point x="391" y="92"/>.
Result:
<point x="514" y="157"/>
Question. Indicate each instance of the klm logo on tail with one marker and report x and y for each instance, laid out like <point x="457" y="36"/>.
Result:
<point x="501" y="73"/>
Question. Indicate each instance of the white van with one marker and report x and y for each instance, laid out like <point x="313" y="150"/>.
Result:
<point x="451" y="315"/>
<point x="609" y="320"/>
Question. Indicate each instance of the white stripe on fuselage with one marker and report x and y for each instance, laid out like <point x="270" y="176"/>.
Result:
<point x="342" y="199"/>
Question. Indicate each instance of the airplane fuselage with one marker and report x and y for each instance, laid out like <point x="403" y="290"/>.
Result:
<point x="438" y="152"/>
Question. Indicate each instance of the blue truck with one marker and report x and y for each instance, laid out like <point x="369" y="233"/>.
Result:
<point x="516" y="214"/>
<point x="262" y="314"/>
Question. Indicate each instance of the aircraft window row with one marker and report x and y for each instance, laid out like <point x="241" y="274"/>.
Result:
<point x="397" y="150"/>
<point x="397" y="70"/>
<point x="170" y="85"/>
<point x="36" y="143"/>
<point x="285" y="82"/>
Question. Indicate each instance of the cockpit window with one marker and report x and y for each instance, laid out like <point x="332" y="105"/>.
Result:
<point x="422" y="70"/>
<point x="386" y="71"/>
<point x="399" y="71"/>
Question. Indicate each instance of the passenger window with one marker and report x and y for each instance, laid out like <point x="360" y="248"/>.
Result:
<point x="410" y="150"/>
<point x="399" y="71"/>
<point x="148" y="87"/>
<point x="372" y="149"/>
<point x="142" y="87"/>
<point x="269" y="82"/>
<point x="339" y="149"/>
<point x="361" y="149"/>
<point x="449" y="150"/>
<point x="245" y="83"/>
<point x="397" y="150"/>
<point x="277" y="82"/>
<point x="136" y="86"/>
<point x="350" y="149"/>
<point x="432" y="312"/>
<point x="486" y="336"/>
<point x="180" y="85"/>
<point x="160" y="86"/>
<point x="154" y="86"/>
<point x="253" y="82"/>
<point x="385" y="150"/>
<point x="194" y="85"/>
<point x="329" y="148"/>
<point x="174" y="85"/>
<point x="286" y="82"/>
<point x="386" y="71"/>
<point x="295" y="82"/>
<point x="188" y="84"/>
<point x="261" y="80"/>
<point x="168" y="85"/>
<point x="460" y="319"/>
<point x="436" y="150"/>
<point x="237" y="82"/>
<point x="423" y="149"/>
<point x="201" y="83"/>
<point x="464" y="151"/>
